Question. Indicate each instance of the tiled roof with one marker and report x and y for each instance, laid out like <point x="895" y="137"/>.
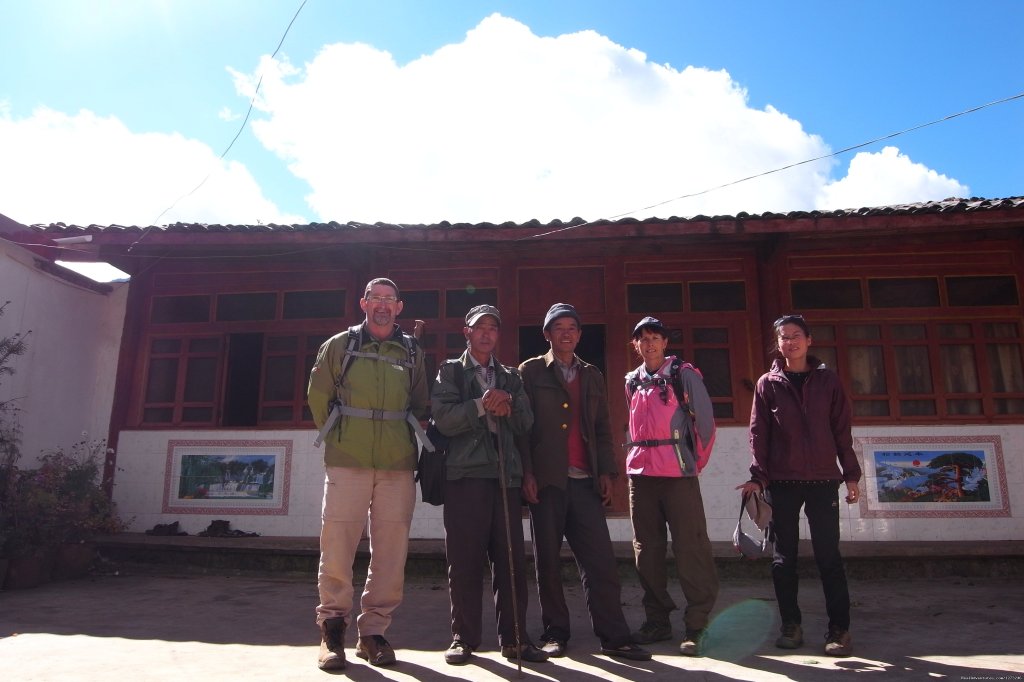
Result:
<point x="946" y="206"/>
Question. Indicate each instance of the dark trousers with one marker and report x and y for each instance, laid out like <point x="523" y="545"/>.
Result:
<point x="820" y="500"/>
<point x="577" y="514"/>
<point x="655" y="501"/>
<point x="474" y="528"/>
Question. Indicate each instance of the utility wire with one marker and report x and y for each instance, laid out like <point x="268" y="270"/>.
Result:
<point x="787" y="167"/>
<point x="252" y="103"/>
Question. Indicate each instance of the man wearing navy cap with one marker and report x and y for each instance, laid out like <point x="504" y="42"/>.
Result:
<point x="568" y="482"/>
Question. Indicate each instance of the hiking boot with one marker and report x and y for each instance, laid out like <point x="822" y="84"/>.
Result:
<point x="376" y="650"/>
<point x="838" y="643"/>
<point x="651" y="632"/>
<point x="693" y="642"/>
<point x="458" y="653"/>
<point x="792" y="636"/>
<point x="332" y="645"/>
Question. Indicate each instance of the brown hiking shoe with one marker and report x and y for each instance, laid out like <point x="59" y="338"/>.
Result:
<point x="838" y="643"/>
<point x="376" y="650"/>
<point x="792" y="636"/>
<point x="332" y="645"/>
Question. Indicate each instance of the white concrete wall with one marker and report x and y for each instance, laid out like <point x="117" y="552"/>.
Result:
<point x="65" y="382"/>
<point x="142" y="461"/>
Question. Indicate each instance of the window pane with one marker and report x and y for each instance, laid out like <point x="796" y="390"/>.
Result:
<point x="279" y="382"/>
<point x="276" y="414"/>
<point x="1001" y="330"/>
<point x="654" y="298"/>
<point x="312" y="305"/>
<point x="455" y="341"/>
<point x="722" y="410"/>
<point x="239" y="307"/>
<point x="961" y="374"/>
<point x="204" y="345"/>
<point x="422" y="305"/>
<point x="826" y="294"/>
<point x="823" y="332"/>
<point x="904" y="292"/>
<point x="428" y="341"/>
<point x="969" y="291"/>
<point x="163" y="379"/>
<point x="913" y="370"/>
<point x="711" y="335"/>
<point x="714" y="365"/>
<point x="712" y="296"/>
<point x="863" y="332"/>
<point x="180" y="309"/>
<point x="157" y="415"/>
<point x="955" y="331"/>
<point x="1005" y="364"/>
<point x="307" y="414"/>
<point x="867" y="370"/>
<point x="917" y="408"/>
<point x="909" y="332"/>
<point x="197" y="414"/>
<point x="282" y="344"/>
<point x="871" y="408"/>
<point x="1009" y="405"/>
<point x="200" y="378"/>
<point x="458" y="301"/>
<point x="826" y="355"/>
<point x="165" y="346"/>
<point x="963" y="406"/>
<point x="313" y="343"/>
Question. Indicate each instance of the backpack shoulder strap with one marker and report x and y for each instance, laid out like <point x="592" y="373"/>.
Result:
<point x="355" y="340"/>
<point x="632" y="382"/>
<point x="676" y="375"/>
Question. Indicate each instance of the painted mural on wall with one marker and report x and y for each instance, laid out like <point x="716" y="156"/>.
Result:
<point x="931" y="476"/>
<point x="237" y="476"/>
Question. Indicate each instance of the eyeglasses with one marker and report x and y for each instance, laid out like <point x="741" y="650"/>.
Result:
<point x="382" y="299"/>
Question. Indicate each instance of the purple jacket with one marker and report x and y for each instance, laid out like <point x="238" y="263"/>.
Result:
<point x="798" y="436"/>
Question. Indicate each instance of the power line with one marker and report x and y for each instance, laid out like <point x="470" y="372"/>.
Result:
<point x="252" y="103"/>
<point x="787" y="167"/>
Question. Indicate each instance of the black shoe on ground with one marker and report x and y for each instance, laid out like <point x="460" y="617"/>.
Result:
<point x="693" y="643"/>
<point x="650" y="633"/>
<point x="376" y="650"/>
<point x="458" y="653"/>
<point x="629" y="651"/>
<point x="332" y="645"/>
<point x="838" y="643"/>
<point x="554" y="648"/>
<point x="792" y="636"/>
<point x="527" y="652"/>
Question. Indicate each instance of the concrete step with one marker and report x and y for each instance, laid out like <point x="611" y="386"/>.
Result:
<point x="298" y="557"/>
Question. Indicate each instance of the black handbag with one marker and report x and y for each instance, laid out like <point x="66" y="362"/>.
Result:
<point x="432" y="467"/>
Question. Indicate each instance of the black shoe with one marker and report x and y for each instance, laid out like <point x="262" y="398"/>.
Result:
<point x="628" y="651"/>
<point x="376" y="650"/>
<point x="527" y="652"/>
<point x="554" y="648"/>
<point x="458" y="653"/>
<point x="693" y="643"/>
<point x="650" y="632"/>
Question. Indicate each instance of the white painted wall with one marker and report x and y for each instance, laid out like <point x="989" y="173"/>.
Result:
<point x="143" y="455"/>
<point x="65" y="382"/>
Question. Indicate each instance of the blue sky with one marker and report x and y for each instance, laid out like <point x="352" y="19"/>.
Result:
<point x="474" y="111"/>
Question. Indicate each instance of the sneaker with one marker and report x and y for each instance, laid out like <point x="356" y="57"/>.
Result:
<point x="527" y="652"/>
<point x="458" y="653"/>
<point x="629" y="651"/>
<point x="792" y="636"/>
<point x="554" y="648"/>
<point x="838" y="643"/>
<point x="376" y="650"/>
<point x="332" y="645"/>
<point x="651" y="632"/>
<point x="693" y="643"/>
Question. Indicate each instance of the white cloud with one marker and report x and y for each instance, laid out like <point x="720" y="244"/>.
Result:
<point x="86" y="169"/>
<point x="884" y="178"/>
<point x="507" y="125"/>
<point x="226" y="114"/>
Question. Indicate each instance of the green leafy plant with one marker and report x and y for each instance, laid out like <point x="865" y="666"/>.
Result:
<point x="10" y="433"/>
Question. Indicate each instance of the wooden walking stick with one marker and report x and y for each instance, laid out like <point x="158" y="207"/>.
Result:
<point x="508" y="545"/>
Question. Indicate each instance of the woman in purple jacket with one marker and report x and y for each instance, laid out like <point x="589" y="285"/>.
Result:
<point x="802" y="451"/>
